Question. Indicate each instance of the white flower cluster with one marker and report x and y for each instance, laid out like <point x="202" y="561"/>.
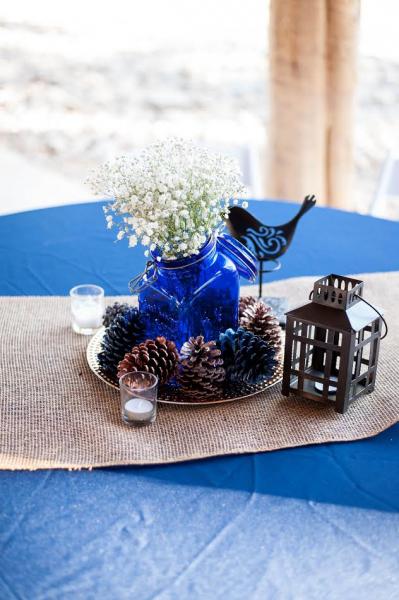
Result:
<point x="171" y="197"/>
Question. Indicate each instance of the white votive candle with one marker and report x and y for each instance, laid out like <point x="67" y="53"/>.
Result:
<point x="139" y="409"/>
<point x="87" y="314"/>
<point x="87" y="306"/>
<point x="331" y="388"/>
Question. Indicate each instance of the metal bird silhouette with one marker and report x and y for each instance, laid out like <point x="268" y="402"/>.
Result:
<point x="266" y="242"/>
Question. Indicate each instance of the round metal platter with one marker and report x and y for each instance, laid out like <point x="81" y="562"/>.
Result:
<point x="171" y="394"/>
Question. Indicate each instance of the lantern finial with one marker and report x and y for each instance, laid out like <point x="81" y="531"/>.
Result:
<point x="337" y="291"/>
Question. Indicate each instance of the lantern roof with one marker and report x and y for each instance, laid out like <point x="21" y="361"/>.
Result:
<point x="354" y="318"/>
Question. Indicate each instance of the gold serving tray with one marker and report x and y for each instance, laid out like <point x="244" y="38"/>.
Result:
<point x="172" y="394"/>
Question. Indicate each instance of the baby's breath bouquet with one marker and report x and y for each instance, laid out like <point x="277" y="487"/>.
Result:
<point x="171" y="197"/>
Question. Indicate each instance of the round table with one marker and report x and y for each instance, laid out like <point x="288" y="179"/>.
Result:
<point x="311" y="522"/>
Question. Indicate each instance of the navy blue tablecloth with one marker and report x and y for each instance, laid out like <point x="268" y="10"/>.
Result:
<point x="314" y="522"/>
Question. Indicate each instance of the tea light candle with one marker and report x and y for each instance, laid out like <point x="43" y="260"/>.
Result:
<point x="87" y="314"/>
<point x="138" y="409"/>
<point x="332" y="389"/>
<point x="87" y="307"/>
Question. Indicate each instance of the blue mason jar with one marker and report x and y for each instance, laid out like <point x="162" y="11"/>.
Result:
<point x="197" y="295"/>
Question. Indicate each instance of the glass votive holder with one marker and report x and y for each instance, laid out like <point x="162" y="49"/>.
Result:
<point x="139" y="392"/>
<point x="87" y="307"/>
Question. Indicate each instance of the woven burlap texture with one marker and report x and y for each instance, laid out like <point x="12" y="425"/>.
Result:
<point x="55" y="413"/>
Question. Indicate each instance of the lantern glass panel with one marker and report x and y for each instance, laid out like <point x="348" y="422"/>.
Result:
<point x="296" y="327"/>
<point x="309" y="356"/>
<point x="365" y="359"/>
<point x="336" y="363"/>
<point x="368" y="331"/>
<point x="319" y="359"/>
<point x="295" y="354"/>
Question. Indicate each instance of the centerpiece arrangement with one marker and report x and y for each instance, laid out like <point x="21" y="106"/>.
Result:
<point x="173" y="198"/>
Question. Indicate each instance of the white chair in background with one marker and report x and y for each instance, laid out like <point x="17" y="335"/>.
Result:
<point x="386" y="199"/>
<point x="248" y="157"/>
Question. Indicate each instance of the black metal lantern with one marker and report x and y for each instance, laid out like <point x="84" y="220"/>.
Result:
<point x="332" y="344"/>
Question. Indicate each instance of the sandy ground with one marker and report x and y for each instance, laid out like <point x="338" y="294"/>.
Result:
<point x="69" y="100"/>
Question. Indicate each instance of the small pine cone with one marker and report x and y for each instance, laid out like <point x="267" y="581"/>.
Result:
<point x="113" y="311"/>
<point x="157" y="356"/>
<point x="260" y="320"/>
<point x="125" y="331"/>
<point x="244" y="303"/>
<point x="201" y="371"/>
<point x="247" y="357"/>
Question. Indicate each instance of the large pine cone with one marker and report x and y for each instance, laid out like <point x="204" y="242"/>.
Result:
<point x="157" y="356"/>
<point x="260" y="320"/>
<point x="247" y="357"/>
<point x="244" y="303"/>
<point x="201" y="370"/>
<point x="113" y="311"/>
<point x="125" y="331"/>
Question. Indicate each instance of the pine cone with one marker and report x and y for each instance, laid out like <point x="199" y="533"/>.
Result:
<point x="244" y="302"/>
<point x="247" y="357"/>
<point x="157" y="356"/>
<point x="260" y="320"/>
<point x="201" y="370"/>
<point x="113" y="311"/>
<point x="125" y="331"/>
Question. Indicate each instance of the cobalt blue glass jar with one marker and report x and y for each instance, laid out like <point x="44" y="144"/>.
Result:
<point x="197" y="295"/>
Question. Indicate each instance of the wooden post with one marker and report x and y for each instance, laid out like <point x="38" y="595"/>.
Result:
<point x="312" y="64"/>
<point x="342" y="19"/>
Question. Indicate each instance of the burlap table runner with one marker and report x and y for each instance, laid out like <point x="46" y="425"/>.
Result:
<point x="54" y="413"/>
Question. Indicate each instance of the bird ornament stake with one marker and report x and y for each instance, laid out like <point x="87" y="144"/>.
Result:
<point x="268" y="243"/>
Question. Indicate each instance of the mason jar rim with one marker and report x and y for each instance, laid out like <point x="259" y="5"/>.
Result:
<point x="187" y="261"/>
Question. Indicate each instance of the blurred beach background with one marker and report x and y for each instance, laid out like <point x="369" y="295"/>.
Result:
<point x="83" y="81"/>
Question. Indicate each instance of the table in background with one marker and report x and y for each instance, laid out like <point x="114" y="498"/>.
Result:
<point x="314" y="522"/>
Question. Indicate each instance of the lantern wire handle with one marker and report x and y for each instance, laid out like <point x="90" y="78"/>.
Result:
<point x="371" y="306"/>
<point x="378" y="313"/>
